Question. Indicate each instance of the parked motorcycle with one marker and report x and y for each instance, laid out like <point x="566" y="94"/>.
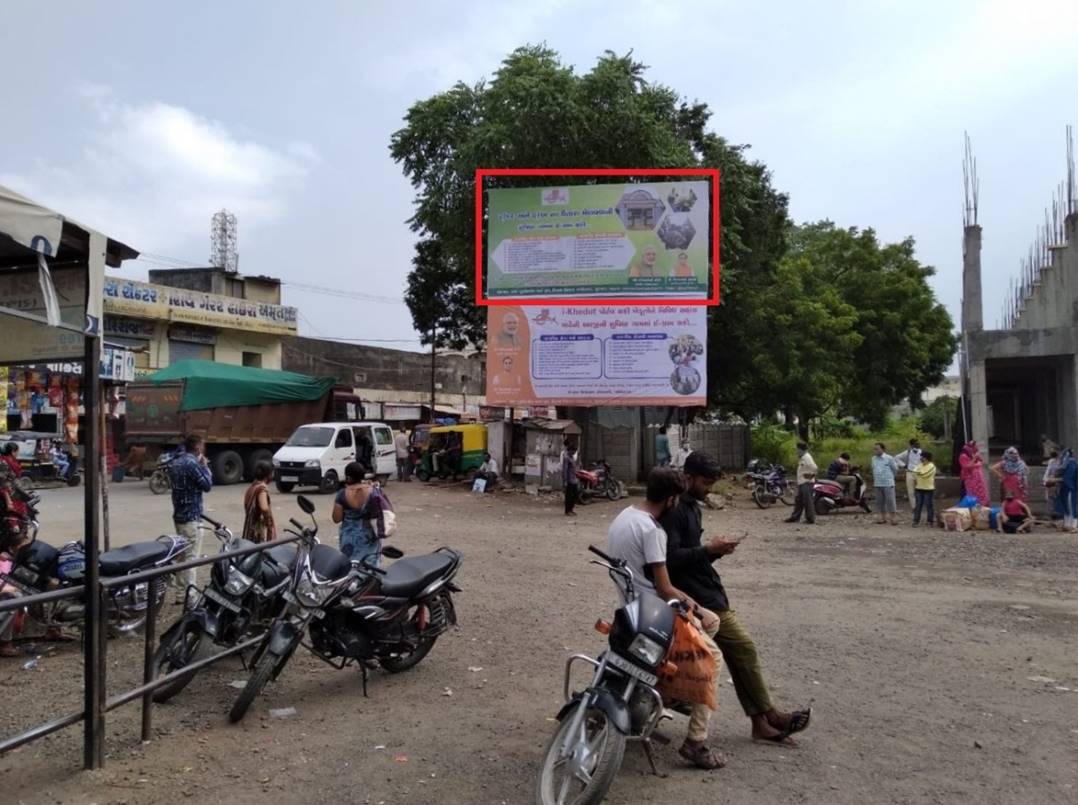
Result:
<point x="39" y="567"/>
<point x="828" y="495"/>
<point x="599" y="480"/>
<point x="771" y="485"/>
<point x="160" y="481"/>
<point x="354" y="612"/>
<point x="243" y="596"/>
<point x="621" y="703"/>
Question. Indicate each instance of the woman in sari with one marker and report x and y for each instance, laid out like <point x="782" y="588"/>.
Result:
<point x="972" y="466"/>
<point x="258" y="522"/>
<point x="1013" y="475"/>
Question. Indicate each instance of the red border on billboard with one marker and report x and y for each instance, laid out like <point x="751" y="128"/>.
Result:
<point x="708" y="173"/>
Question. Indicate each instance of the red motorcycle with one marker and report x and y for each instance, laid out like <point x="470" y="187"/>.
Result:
<point x="599" y="480"/>
<point x="828" y="494"/>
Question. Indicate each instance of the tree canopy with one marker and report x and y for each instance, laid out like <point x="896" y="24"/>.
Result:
<point x="814" y="319"/>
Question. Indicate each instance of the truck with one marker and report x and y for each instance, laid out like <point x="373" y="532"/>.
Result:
<point x="243" y="414"/>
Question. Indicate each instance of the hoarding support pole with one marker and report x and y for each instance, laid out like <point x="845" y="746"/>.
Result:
<point x="433" y="353"/>
<point x="93" y="634"/>
<point x="103" y="468"/>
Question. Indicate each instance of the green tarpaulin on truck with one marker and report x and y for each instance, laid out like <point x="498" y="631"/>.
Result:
<point x="208" y="384"/>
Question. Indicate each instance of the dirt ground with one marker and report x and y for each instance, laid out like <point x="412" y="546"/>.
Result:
<point x="941" y="668"/>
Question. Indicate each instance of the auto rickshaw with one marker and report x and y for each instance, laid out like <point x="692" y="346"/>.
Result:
<point x="473" y="446"/>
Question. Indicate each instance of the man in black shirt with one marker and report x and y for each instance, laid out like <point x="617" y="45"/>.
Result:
<point x="689" y="562"/>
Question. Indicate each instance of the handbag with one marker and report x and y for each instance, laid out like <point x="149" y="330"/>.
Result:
<point x="389" y="518"/>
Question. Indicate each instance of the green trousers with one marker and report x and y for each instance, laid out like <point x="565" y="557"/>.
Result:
<point x="739" y="652"/>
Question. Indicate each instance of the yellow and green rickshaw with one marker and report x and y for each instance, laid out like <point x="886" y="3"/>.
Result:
<point x="459" y="449"/>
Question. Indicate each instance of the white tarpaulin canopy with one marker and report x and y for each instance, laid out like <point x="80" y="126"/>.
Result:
<point x="52" y="279"/>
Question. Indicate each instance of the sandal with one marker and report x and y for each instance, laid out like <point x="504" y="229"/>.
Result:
<point x="799" y="720"/>
<point x="701" y="756"/>
<point x="780" y="738"/>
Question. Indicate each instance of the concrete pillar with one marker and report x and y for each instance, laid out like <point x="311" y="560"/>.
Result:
<point x="978" y="406"/>
<point x="972" y="311"/>
<point x="1068" y="402"/>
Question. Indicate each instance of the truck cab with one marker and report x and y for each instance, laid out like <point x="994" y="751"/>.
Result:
<point x="317" y="453"/>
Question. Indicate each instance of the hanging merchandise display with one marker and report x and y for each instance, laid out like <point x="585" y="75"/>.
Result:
<point x="4" y="372"/>
<point x="22" y="400"/>
<point x="56" y="391"/>
<point x="71" y="411"/>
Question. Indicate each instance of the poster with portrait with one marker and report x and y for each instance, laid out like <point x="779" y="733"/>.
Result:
<point x="643" y="240"/>
<point x="597" y="355"/>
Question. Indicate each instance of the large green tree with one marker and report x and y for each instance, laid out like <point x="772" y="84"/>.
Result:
<point x="539" y="112"/>
<point x="901" y="339"/>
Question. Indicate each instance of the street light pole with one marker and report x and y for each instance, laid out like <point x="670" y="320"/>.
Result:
<point x="433" y="353"/>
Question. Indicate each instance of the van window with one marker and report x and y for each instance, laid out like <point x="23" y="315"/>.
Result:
<point x="383" y="436"/>
<point x="344" y="438"/>
<point x="311" y="436"/>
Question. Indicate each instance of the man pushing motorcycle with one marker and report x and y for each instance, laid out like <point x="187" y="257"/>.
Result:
<point x="690" y="560"/>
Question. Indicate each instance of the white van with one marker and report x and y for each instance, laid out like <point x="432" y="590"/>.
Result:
<point x="316" y="454"/>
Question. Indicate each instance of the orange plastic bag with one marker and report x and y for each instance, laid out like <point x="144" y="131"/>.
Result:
<point x="694" y="680"/>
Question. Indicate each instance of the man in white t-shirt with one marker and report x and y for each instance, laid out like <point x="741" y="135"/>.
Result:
<point x="488" y="471"/>
<point x="636" y="537"/>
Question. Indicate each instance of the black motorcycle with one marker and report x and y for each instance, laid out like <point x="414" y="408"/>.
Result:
<point x="242" y="598"/>
<point x="39" y="567"/>
<point x="356" y="613"/>
<point x="621" y="703"/>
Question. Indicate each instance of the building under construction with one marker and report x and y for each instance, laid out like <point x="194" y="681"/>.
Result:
<point x="1020" y="381"/>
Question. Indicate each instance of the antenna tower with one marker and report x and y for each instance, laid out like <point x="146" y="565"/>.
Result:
<point x="223" y="242"/>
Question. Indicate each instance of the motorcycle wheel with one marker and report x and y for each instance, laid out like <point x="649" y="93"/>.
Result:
<point x="174" y="655"/>
<point x="864" y="504"/>
<point x="264" y="669"/>
<point x="159" y="483"/>
<point x="822" y="507"/>
<point x="402" y="662"/>
<point x="613" y="489"/>
<point x="422" y="475"/>
<point x="583" y="496"/>
<point x="787" y="495"/>
<point x="761" y="497"/>
<point x="123" y="628"/>
<point x="605" y="747"/>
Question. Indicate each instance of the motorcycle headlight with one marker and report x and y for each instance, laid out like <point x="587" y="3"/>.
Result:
<point x="312" y="463"/>
<point x="646" y="649"/>
<point x="310" y="595"/>
<point x="237" y="583"/>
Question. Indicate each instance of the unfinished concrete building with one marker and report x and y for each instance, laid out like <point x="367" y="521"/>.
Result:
<point x="1021" y="381"/>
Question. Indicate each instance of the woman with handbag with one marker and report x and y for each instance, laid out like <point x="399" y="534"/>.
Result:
<point x="364" y="514"/>
<point x="258" y="522"/>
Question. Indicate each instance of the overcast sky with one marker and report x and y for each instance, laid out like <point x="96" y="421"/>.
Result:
<point x="143" y="119"/>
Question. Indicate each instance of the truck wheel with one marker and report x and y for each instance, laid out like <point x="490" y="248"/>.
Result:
<point x="329" y="484"/>
<point x="255" y="458"/>
<point x="227" y="468"/>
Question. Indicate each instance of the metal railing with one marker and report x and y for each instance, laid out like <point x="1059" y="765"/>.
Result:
<point x="94" y="737"/>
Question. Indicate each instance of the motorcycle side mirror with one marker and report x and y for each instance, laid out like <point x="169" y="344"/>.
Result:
<point x="391" y="552"/>
<point x="305" y="504"/>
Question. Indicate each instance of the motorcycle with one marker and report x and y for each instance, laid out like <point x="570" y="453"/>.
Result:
<point x="770" y="485"/>
<point x="599" y="480"/>
<point x="828" y="494"/>
<point x="160" y="481"/>
<point x="39" y="567"/>
<point x="354" y="612"/>
<point x="620" y="704"/>
<point x="243" y="596"/>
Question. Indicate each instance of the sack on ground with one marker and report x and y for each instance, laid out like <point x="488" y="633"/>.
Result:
<point x="694" y="680"/>
<point x="981" y="518"/>
<point x="957" y="519"/>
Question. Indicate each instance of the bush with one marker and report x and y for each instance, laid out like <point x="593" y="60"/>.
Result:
<point x="933" y="417"/>
<point x="773" y="443"/>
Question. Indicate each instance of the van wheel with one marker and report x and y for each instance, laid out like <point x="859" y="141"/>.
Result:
<point x="329" y="483"/>
<point x="227" y="467"/>
<point x="284" y="488"/>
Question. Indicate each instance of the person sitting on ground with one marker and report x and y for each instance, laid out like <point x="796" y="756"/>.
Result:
<point x="690" y="562"/>
<point x="1015" y="517"/>
<point x="840" y="470"/>
<point x="636" y="537"/>
<point x="488" y="471"/>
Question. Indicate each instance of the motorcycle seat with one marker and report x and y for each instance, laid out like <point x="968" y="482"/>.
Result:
<point x="283" y="557"/>
<point x="329" y="563"/>
<point x="132" y="557"/>
<point x="407" y="577"/>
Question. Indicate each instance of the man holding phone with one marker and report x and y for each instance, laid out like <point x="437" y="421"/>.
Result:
<point x="689" y="561"/>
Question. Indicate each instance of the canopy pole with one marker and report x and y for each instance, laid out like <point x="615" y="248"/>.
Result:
<point x="94" y="653"/>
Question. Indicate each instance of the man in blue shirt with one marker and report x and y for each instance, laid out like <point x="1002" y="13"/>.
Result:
<point x="884" y="470"/>
<point x="190" y="477"/>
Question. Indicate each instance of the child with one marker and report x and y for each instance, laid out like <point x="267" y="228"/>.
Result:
<point x="924" y="488"/>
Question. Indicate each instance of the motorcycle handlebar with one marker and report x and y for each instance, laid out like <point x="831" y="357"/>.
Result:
<point x="603" y="556"/>
<point x="297" y="524"/>
<point x="211" y="521"/>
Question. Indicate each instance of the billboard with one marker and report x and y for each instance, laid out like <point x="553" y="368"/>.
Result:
<point x="620" y="242"/>
<point x="597" y="355"/>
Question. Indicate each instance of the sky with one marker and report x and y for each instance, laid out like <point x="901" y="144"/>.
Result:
<point x="143" y="119"/>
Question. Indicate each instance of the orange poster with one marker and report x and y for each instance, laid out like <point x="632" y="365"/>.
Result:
<point x="597" y="355"/>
